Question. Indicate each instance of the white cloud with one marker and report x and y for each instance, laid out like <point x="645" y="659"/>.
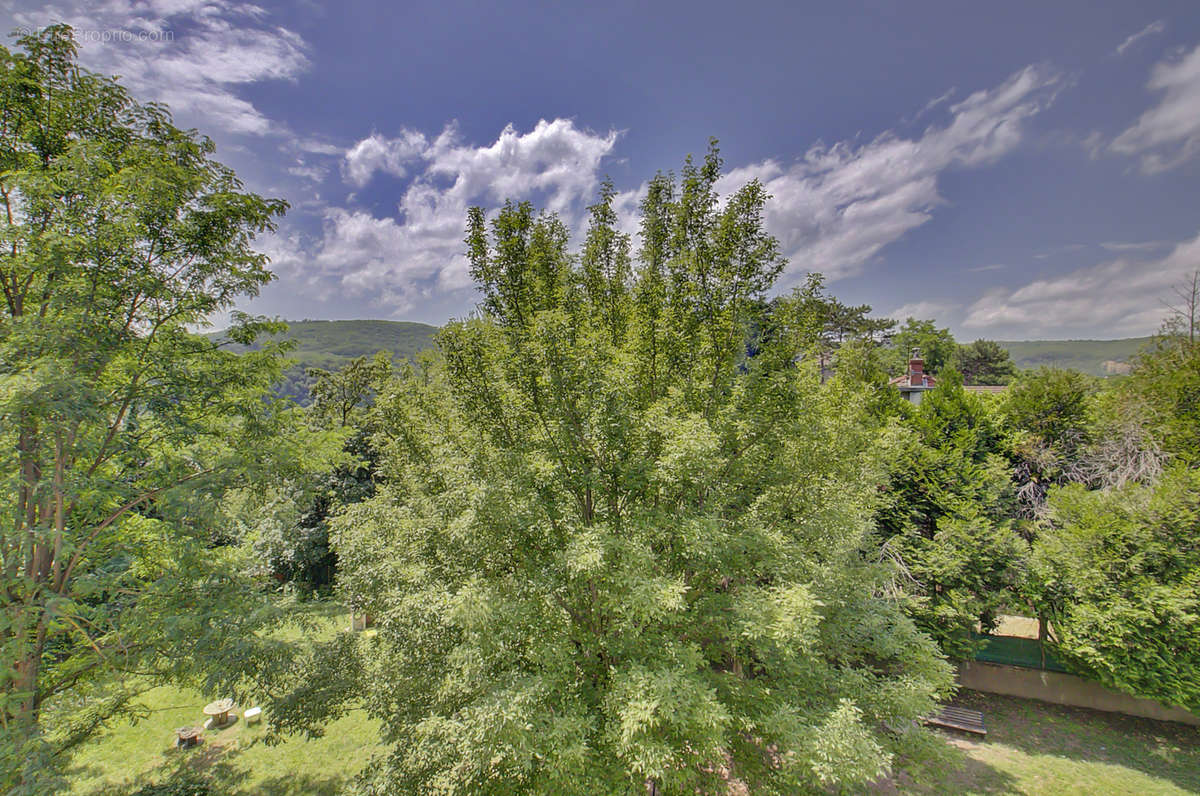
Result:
<point x="314" y="173"/>
<point x="835" y="209"/>
<point x="937" y="310"/>
<point x="315" y="146"/>
<point x="191" y="54"/>
<point x="1169" y="133"/>
<point x="398" y="263"/>
<point x="936" y="101"/>
<point x="376" y="153"/>
<point x="1094" y="144"/>
<point x="1134" y="246"/>
<point x="555" y="157"/>
<point x="1119" y="298"/>
<point x="1150" y="30"/>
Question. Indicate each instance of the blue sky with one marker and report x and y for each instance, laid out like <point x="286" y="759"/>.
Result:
<point x="1015" y="170"/>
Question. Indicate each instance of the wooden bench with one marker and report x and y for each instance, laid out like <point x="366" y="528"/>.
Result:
<point x="958" y="719"/>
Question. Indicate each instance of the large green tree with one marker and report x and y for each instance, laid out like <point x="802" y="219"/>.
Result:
<point x="1163" y="389"/>
<point x="983" y="362"/>
<point x="937" y="346"/>
<point x="1047" y="413"/>
<point x="119" y="233"/>
<point x="948" y="516"/>
<point x="611" y="552"/>
<point x="1119" y="572"/>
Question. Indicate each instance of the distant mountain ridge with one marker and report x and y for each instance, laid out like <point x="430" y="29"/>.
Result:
<point x="329" y="345"/>
<point x="1096" y="357"/>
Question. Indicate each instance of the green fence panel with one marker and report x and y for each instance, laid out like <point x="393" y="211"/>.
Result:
<point x="1016" y="651"/>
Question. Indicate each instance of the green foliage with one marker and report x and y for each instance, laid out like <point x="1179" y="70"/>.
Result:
<point x="610" y="549"/>
<point x="1051" y="404"/>
<point x="948" y="513"/>
<point x="339" y="396"/>
<point x="332" y="345"/>
<point x="1121" y="573"/>
<point x="286" y="523"/>
<point x="861" y="367"/>
<point x="836" y="325"/>
<point x="983" y="362"/>
<point x="1048" y="413"/>
<point x="120" y="233"/>
<point x="936" y="345"/>
<point x="186" y="783"/>
<point x="1164" y="386"/>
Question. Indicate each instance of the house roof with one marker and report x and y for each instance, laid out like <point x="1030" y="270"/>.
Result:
<point x="902" y="381"/>
<point x="931" y="381"/>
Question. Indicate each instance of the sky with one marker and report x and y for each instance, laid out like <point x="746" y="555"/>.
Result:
<point x="1016" y="170"/>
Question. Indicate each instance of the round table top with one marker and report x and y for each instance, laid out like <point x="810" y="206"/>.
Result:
<point x="218" y="707"/>
<point x="187" y="732"/>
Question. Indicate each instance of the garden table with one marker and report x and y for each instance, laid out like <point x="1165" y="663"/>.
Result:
<point x="219" y="710"/>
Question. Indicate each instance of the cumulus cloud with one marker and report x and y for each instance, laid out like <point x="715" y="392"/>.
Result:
<point x="939" y="310"/>
<point x="1150" y="30"/>
<point x="1169" y="133"/>
<point x="377" y="153"/>
<point x="191" y="54"/>
<point x="416" y="256"/>
<point x="555" y="157"/>
<point x="837" y="207"/>
<point x="833" y="210"/>
<point x="1119" y="298"/>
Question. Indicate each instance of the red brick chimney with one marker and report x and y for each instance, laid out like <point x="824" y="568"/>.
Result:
<point x="916" y="369"/>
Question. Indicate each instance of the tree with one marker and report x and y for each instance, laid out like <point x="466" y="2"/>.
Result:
<point x="119" y="233"/>
<point x="1048" y="414"/>
<point x="336" y="395"/>
<point x="948" y="517"/>
<point x="1184" y="320"/>
<point x="835" y="324"/>
<point x="611" y="553"/>
<point x="1163" y="390"/>
<point x="983" y="362"/>
<point x="288" y="524"/>
<point x="1120" y="570"/>
<point x="936" y="345"/>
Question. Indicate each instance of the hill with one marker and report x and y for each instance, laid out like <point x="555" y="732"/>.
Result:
<point x="1097" y="357"/>
<point x="329" y="345"/>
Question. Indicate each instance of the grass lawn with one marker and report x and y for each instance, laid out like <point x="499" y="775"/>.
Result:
<point x="1031" y="748"/>
<point x="128" y="756"/>
<point x="1038" y="748"/>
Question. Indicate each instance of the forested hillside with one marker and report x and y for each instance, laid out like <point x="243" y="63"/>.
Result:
<point x="1094" y="357"/>
<point x="330" y="345"/>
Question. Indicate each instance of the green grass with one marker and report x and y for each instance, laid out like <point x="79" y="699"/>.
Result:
<point x="1032" y="748"/>
<point x="1037" y="748"/>
<point x="127" y="756"/>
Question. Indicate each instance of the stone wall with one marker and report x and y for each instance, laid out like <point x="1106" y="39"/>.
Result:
<point x="1064" y="689"/>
